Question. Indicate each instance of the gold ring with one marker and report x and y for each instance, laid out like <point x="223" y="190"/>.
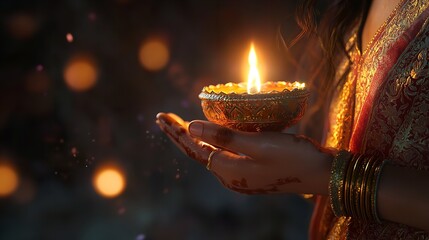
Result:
<point x="209" y="159"/>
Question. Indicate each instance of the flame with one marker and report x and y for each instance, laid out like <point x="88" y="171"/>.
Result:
<point x="253" y="78"/>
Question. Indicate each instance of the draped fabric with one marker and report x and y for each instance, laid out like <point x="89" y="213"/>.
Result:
<point x="382" y="109"/>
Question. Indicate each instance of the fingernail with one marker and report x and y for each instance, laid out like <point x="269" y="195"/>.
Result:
<point x="159" y="114"/>
<point x="162" y="121"/>
<point x="196" y="129"/>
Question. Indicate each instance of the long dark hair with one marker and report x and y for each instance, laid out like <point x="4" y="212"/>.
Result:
<point x="329" y="31"/>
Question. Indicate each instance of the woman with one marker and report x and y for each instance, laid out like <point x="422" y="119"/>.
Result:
<point x="372" y="173"/>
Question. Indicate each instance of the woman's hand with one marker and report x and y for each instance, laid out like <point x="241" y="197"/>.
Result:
<point x="253" y="163"/>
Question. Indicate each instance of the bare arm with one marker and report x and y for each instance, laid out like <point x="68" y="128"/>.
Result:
<point x="403" y="196"/>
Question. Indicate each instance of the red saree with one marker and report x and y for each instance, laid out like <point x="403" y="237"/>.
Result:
<point x="383" y="109"/>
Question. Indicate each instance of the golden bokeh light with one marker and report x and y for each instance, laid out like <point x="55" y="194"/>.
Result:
<point x="80" y="74"/>
<point x="154" y="55"/>
<point x="109" y="182"/>
<point x="8" y="180"/>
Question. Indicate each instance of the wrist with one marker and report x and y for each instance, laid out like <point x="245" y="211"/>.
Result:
<point x="327" y="160"/>
<point x="321" y="179"/>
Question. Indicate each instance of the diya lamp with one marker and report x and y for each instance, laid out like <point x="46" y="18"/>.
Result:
<point x="254" y="106"/>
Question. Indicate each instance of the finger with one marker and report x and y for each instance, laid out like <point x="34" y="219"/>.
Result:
<point x="179" y="135"/>
<point x="172" y="119"/>
<point x="177" y="119"/>
<point x="170" y="135"/>
<point x="197" y="149"/>
<point x="225" y="165"/>
<point x="167" y="119"/>
<point x="235" y="141"/>
<point x="224" y="161"/>
<point x="221" y="161"/>
<point x="176" y="134"/>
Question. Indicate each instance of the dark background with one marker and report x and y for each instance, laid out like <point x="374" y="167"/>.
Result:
<point x="55" y="137"/>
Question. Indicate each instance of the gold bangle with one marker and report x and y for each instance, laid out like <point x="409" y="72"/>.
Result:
<point x="374" y="191"/>
<point x="346" y="189"/>
<point x="357" y="187"/>
<point x="352" y="187"/>
<point x="369" y="187"/>
<point x="336" y="182"/>
<point x="365" y="193"/>
<point x="362" y="189"/>
<point x="349" y="183"/>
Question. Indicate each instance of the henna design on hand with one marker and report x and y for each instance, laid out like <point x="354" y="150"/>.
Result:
<point x="241" y="184"/>
<point x="284" y="181"/>
<point x="179" y="135"/>
<point x="254" y="191"/>
<point x="177" y="131"/>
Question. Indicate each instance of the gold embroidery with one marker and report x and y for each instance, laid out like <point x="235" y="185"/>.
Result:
<point x="373" y="57"/>
<point x="401" y="124"/>
<point x="339" y="229"/>
<point x="403" y="110"/>
<point x="341" y="124"/>
<point x="340" y="119"/>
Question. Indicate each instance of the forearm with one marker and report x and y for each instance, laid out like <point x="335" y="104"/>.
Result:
<point x="403" y="196"/>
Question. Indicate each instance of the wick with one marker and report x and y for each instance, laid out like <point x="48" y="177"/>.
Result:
<point x="252" y="90"/>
